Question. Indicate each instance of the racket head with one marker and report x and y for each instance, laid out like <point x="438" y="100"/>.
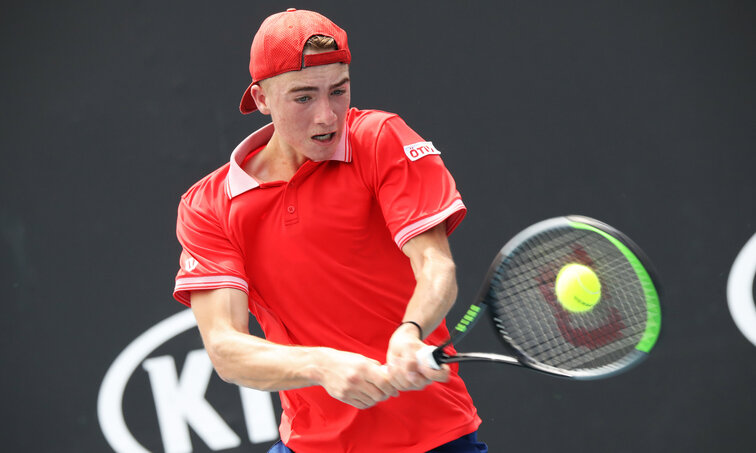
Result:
<point x="617" y="334"/>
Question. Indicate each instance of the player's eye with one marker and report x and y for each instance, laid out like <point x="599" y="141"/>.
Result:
<point x="302" y="99"/>
<point x="338" y="92"/>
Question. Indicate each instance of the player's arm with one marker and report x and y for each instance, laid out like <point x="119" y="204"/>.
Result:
<point x="250" y="361"/>
<point x="433" y="297"/>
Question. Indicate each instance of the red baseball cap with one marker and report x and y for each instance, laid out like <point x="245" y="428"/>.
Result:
<point x="278" y="47"/>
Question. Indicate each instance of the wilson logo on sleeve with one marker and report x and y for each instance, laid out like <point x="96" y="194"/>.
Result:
<point x="190" y="264"/>
<point x="416" y="151"/>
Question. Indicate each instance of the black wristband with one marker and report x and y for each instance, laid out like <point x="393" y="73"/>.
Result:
<point x="420" y="329"/>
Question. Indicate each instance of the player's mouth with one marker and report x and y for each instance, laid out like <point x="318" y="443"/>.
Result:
<point x="324" y="138"/>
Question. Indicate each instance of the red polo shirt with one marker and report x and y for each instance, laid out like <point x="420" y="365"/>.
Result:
<point x="320" y="258"/>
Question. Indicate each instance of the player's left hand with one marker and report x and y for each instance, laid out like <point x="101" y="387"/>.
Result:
<point x="405" y="373"/>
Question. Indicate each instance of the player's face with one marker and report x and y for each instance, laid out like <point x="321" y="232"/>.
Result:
<point x="308" y="108"/>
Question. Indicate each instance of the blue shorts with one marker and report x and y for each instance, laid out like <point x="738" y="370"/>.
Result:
<point x="465" y="444"/>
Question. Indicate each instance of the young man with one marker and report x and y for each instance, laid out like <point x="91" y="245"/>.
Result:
<point x="330" y="226"/>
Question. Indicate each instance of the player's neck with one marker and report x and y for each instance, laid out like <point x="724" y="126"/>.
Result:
<point x="276" y="162"/>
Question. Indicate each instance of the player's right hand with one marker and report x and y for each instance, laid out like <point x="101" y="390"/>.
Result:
<point x="401" y="358"/>
<point x="353" y="379"/>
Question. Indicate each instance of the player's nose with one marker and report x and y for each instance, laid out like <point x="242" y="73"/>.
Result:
<point x="325" y="112"/>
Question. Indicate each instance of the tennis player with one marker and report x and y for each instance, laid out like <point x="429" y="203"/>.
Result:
<point x="330" y="226"/>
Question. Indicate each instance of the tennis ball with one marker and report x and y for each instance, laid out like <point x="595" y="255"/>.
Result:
<point x="577" y="288"/>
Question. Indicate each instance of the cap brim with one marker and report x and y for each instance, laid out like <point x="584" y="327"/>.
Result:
<point x="247" y="104"/>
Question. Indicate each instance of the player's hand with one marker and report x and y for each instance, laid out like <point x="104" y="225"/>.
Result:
<point x="404" y="370"/>
<point x="354" y="379"/>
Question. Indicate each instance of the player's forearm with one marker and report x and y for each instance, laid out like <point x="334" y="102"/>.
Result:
<point x="257" y="363"/>
<point x="435" y="291"/>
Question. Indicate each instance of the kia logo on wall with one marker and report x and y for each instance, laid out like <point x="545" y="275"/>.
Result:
<point x="177" y="399"/>
<point x="740" y="289"/>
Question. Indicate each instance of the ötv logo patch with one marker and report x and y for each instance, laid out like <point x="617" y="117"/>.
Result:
<point x="179" y="399"/>
<point x="419" y="150"/>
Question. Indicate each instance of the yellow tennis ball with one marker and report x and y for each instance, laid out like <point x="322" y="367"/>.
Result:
<point x="577" y="288"/>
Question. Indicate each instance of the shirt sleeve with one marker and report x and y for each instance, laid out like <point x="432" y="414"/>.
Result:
<point x="208" y="259"/>
<point x="415" y="190"/>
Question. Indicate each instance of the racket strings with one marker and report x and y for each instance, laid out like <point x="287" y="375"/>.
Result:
<point x="530" y="317"/>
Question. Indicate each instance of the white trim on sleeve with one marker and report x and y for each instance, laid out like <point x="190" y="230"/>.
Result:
<point x="412" y="230"/>
<point x="187" y="284"/>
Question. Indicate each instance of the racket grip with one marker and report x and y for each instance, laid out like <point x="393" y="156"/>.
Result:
<point x="425" y="357"/>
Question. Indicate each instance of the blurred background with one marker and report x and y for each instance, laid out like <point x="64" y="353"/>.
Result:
<point x="640" y="114"/>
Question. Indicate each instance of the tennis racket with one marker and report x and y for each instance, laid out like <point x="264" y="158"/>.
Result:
<point x="541" y="334"/>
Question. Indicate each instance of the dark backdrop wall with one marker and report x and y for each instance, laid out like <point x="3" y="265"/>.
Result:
<point x="640" y="114"/>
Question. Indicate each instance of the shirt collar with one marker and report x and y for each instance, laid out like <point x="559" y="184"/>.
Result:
<point x="238" y="181"/>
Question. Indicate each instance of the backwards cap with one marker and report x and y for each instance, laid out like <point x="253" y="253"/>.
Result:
<point x="278" y="47"/>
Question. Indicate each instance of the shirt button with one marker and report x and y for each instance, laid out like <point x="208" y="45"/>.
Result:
<point x="291" y="209"/>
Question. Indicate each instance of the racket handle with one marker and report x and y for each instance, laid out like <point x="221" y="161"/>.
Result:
<point x="425" y="357"/>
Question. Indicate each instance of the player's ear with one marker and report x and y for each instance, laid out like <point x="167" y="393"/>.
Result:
<point x="258" y="94"/>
